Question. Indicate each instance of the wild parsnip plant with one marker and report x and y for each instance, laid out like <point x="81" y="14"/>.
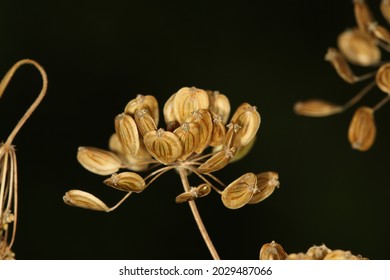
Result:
<point x="198" y="139"/>
<point x="8" y="167"/>
<point x="362" y="46"/>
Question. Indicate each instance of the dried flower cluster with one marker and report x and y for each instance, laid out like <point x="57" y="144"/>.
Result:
<point x="198" y="139"/>
<point x="274" y="251"/>
<point x="361" y="46"/>
<point x="8" y="167"/>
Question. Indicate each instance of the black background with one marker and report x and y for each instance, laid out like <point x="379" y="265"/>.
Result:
<point x="100" y="54"/>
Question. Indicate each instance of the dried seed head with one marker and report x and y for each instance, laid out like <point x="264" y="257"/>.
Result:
<point x="340" y="65"/>
<point x="127" y="131"/>
<point x="385" y="9"/>
<point x="318" y="252"/>
<point x="144" y="121"/>
<point x="143" y="102"/>
<point x="316" y="108"/>
<point x="193" y="193"/>
<point x="266" y="184"/>
<point x="126" y="181"/>
<point x="359" y="47"/>
<point x="363" y="15"/>
<point x="240" y="191"/>
<point x="205" y="123"/>
<point x="218" y="161"/>
<point x="219" y="104"/>
<point x="272" y="251"/>
<point x="188" y="100"/>
<point x="247" y="117"/>
<point x="380" y="32"/>
<point x="383" y="78"/>
<point x="163" y="145"/>
<point x="85" y="200"/>
<point x="98" y="161"/>
<point x="188" y="134"/>
<point x="362" y="130"/>
<point x="219" y="131"/>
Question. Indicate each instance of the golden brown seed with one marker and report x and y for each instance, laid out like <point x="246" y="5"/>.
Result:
<point x="193" y="193"/>
<point x="98" y="161"/>
<point x="218" y="161"/>
<point x="316" y="108"/>
<point x="219" y="104"/>
<point x="85" y="200"/>
<point x="203" y="190"/>
<point x="318" y="252"/>
<point x="144" y="121"/>
<point x="383" y="78"/>
<point x="188" y="100"/>
<point x="143" y="102"/>
<point x="188" y="134"/>
<point x="127" y="131"/>
<point x="363" y="15"/>
<point x="243" y="151"/>
<point x="219" y="131"/>
<point x="380" y="32"/>
<point x="385" y="9"/>
<point x="266" y="184"/>
<point x="247" y="117"/>
<point x="340" y="65"/>
<point x="126" y="181"/>
<point x="272" y="251"/>
<point x="231" y="134"/>
<point x="163" y="145"/>
<point x="362" y="130"/>
<point x="340" y="255"/>
<point x="298" y="256"/>
<point x="205" y="123"/>
<point x="359" y="47"/>
<point x="240" y="191"/>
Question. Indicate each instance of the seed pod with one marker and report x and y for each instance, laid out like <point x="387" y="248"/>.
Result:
<point x="203" y="190"/>
<point x="218" y="161"/>
<point x="240" y="191"/>
<point x="363" y="15"/>
<point x="219" y="131"/>
<point x="127" y="131"/>
<point x="188" y="100"/>
<point x="98" y="161"/>
<point x="383" y="78"/>
<point x="163" y="145"/>
<point x="316" y="108"/>
<point x="143" y="102"/>
<point x="266" y="184"/>
<point x="247" y="117"/>
<point x="219" y="104"/>
<point x="231" y="134"/>
<point x="188" y="134"/>
<point x="340" y="65"/>
<point x="359" y="47"/>
<point x="144" y="121"/>
<point x="85" y="200"/>
<point x="200" y="191"/>
<point x="318" y="252"/>
<point x="205" y="123"/>
<point x="362" y="130"/>
<point x="126" y="181"/>
<point x="272" y="251"/>
<point x="380" y="32"/>
<point x="385" y="9"/>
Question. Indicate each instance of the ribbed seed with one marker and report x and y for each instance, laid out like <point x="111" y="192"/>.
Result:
<point x="169" y="114"/>
<point x="218" y="161"/>
<point x="144" y="121"/>
<point x="85" y="200"/>
<point x="231" y="134"/>
<point x="266" y="184"/>
<point x="205" y="123"/>
<point x="188" y="134"/>
<point x="247" y="117"/>
<point x="127" y="131"/>
<point x="363" y="15"/>
<point x="200" y="191"/>
<point x="98" y="161"/>
<point x="143" y="102"/>
<point x="385" y="9"/>
<point x="340" y="65"/>
<point x="219" y="104"/>
<point x="126" y="181"/>
<point x="188" y="100"/>
<point x="240" y="191"/>
<point x="380" y="32"/>
<point x="163" y="145"/>
<point x="219" y="131"/>
<point x="362" y="130"/>
<point x="272" y="251"/>
<point x="316" y="108"/>
<point x="383" y="78"/>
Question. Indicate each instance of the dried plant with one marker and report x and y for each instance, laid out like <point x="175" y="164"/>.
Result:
<point x="274" y="251"/>
<point x="361" y="46"/>
<point x="8" y="167"/>
<point x="196" y="141"/>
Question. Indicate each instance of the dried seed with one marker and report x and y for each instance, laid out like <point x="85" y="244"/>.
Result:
<point x="200" y="191"/>
<point x="363" y="15"/>
<point x="127" y="131"/>
<point x="169" y="114"/>
<point x="340" y="255"/>
<point x="243" y="151"/>
<point x="126" y="181"/>
<point x="188" y="100"/>
<point x="316" y="108"/>
<point x="163" y="145"/>
<point x="143" y="102"/>
<point x="219" y="104"/>
<point x="385" y="9"/>
<point x="203" y="190"/>
<point x="340" y="65"/>
<point x="359" y="47"/>
<point x="318" y="252"/>
<point x="272" y="251"/>
<point x="383" y="78"/>
<point x="205" y="122"/>
<point x="98" y="161"/>
<point x="218" y="161"/>
<point x="298" y="256"/>
<point x="85" y="200"/>
<point x="188" y="134"/>
<point x="247" y="117"/>
<point x="266" y="184"/>
<point x="219" y="131"/>
<point x="362" y="130"/>
<point x="144" y="121"/>
<point x="380" y="32"/>
<point x="240" y="191"/>
<point x="231" y="134"/>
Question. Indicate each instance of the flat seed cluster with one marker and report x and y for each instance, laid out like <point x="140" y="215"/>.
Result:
<point x="197" y="138"/>
<point x="362" y="46"/>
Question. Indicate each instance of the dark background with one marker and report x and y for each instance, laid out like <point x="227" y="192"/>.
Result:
<point x="100" y="54"/>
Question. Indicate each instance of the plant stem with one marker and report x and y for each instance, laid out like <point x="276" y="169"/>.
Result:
<point x="198" y="219"/>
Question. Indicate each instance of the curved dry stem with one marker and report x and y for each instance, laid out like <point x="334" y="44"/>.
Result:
<point x="119" y="203"/>
<point x="359" y="96"/>
<point x="204" y="178"/>
<point x="195" y="213"/>
<point x="381" y="103"/>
